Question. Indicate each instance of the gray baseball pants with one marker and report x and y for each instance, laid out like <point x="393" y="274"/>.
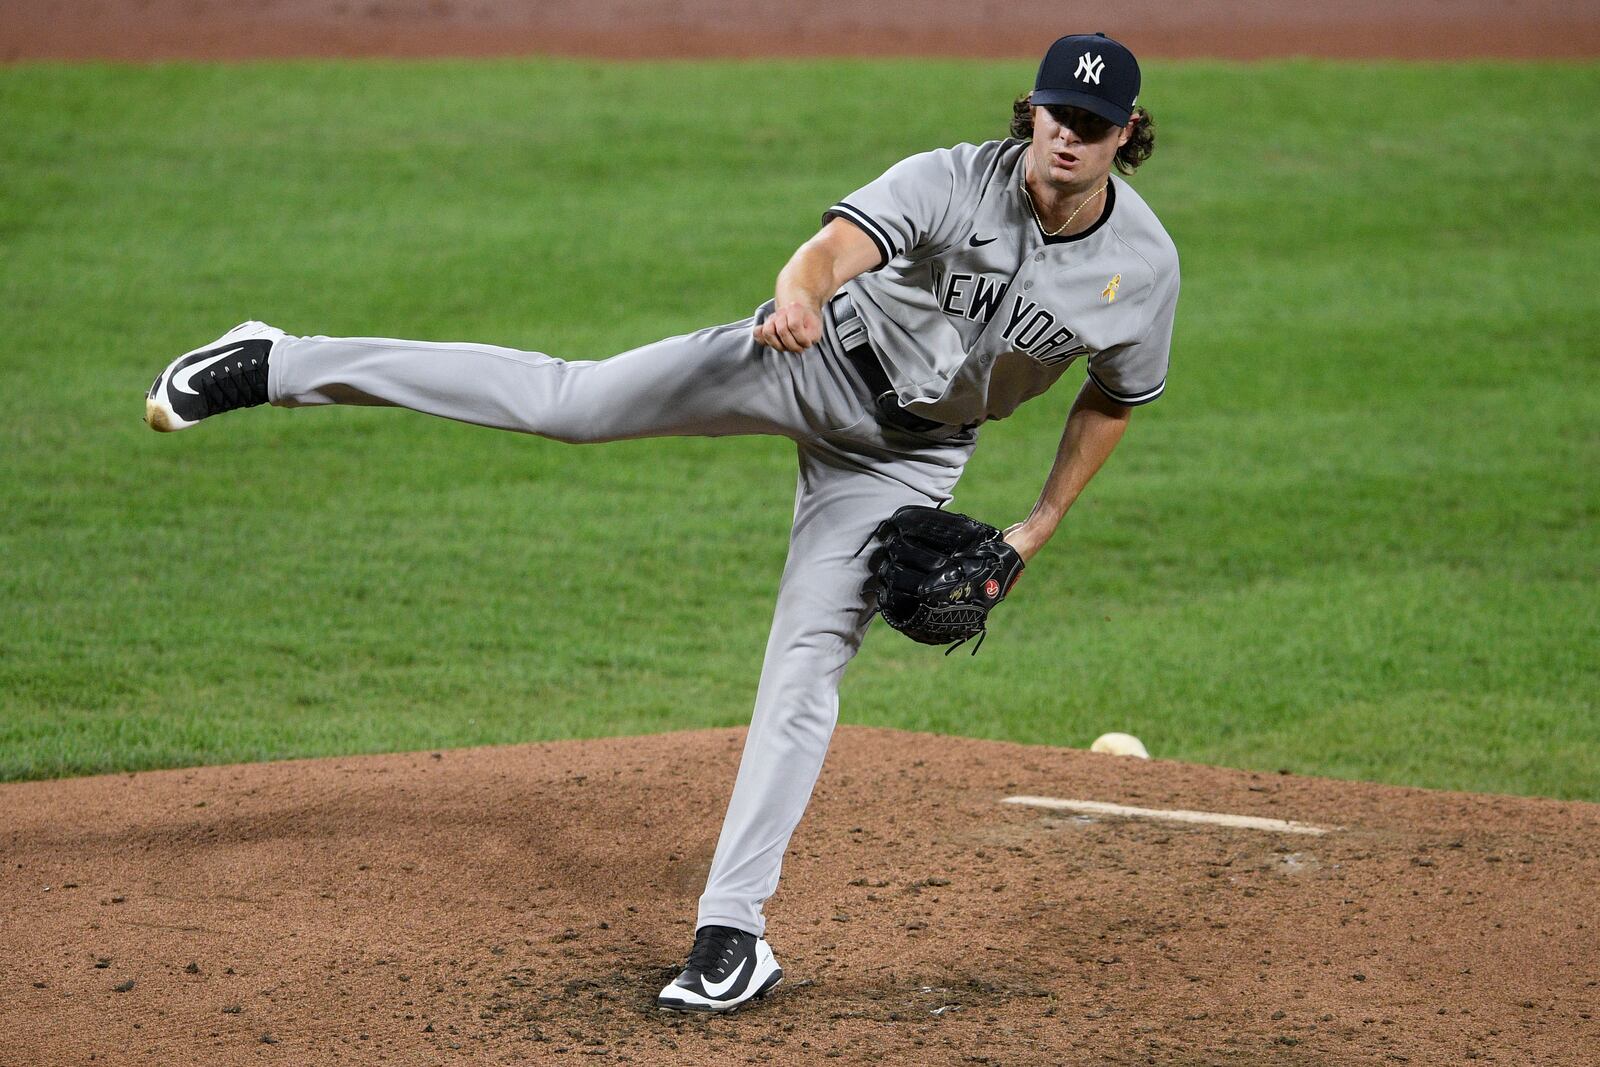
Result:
<point x="853" y="473"/>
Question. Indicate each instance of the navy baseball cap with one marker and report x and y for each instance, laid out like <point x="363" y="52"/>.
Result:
<point x="1090" y="71"/>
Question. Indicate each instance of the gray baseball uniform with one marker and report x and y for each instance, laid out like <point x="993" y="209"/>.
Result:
<point x="971" y="314"/>
<point x="975" y="310"/>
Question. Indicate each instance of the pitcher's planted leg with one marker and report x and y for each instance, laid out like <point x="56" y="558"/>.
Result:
<point x="822" y="614"/>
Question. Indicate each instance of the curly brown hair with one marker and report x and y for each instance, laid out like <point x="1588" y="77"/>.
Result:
<point x="1091" y="127"/>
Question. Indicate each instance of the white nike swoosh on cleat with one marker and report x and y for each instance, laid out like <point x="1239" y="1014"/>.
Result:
<point x="181" y="380"/>
<point x="714" y="990"/>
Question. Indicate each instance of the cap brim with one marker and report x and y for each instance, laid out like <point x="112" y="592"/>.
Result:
<point x="1095" y="105"/>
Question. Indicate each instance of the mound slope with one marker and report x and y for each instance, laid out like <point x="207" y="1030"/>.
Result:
<point x="523" y="904"/>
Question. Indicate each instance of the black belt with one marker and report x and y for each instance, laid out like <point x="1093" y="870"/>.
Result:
<point x="858" y="350"/>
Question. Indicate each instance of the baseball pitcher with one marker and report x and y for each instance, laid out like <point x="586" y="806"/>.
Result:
<point x="934" y="300"/>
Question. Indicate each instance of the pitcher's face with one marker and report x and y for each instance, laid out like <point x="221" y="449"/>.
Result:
<point x="1072" y="148"/>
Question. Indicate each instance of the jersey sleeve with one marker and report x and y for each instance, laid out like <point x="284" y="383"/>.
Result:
<point x="908" y="207"/>
<point x="1136" y="373"/>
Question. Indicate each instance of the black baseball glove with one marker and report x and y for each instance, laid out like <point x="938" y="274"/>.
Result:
<point x="937" y="574"/>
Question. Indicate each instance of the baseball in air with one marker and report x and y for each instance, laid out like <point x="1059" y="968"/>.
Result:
<point x="1119" y="745"/>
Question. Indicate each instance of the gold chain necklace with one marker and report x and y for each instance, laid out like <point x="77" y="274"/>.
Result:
<point x="1064" y="225"/>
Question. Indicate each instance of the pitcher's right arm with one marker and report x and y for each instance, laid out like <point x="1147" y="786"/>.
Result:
<point x="838" y="252"/>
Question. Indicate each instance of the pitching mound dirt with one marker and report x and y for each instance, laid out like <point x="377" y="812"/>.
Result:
<point x="524" y="904"/>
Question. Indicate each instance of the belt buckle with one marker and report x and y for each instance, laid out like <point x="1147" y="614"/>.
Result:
<point x="852" y="332"/>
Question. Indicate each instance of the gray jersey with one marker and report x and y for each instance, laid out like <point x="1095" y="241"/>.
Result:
<point x="973" y="310"/>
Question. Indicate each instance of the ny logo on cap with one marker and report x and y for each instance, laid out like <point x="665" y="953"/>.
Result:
<point x="1089" y="68"/>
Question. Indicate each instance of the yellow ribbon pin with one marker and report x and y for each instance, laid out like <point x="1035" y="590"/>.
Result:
<point x="1109" y="293"/>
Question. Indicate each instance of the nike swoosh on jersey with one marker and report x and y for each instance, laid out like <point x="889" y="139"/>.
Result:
<point x="716" y="989"/>
<point x="185" y="375"/>
<point x="975" y="243"/>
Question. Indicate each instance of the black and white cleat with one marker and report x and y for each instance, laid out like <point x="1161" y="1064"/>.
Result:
<point x="228" y="373"/>
<point x="727" y="968"/>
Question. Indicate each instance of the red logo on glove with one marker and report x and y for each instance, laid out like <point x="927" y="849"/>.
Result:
<point x="991" y="589"/>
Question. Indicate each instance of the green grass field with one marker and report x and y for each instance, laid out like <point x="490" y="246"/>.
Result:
<point x="1357" y="536"/>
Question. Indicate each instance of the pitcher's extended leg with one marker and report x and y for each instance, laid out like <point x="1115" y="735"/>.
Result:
<point x="712" y="382"/>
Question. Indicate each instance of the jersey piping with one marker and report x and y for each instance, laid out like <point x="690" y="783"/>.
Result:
<point x="1128" y="401"/>
<point x="869" y="226"/>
